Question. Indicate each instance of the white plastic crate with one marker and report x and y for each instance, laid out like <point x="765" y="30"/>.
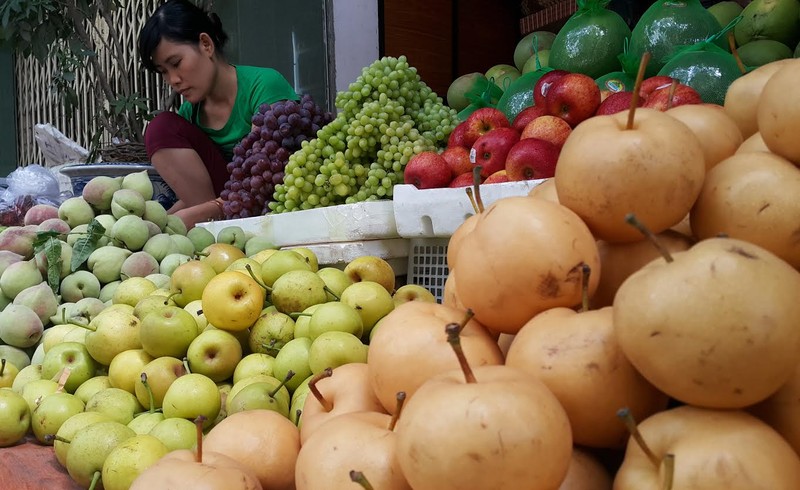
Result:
<point x="427" y="264"/>
<point x="374" y="220"/>
<point x="436" y="213"/>
<point x="394" y="251"/>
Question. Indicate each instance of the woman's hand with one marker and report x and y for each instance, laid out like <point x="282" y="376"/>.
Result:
<point x="200" y="213"/>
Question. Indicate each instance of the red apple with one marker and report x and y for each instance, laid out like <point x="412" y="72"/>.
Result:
<point x="427" y="170"/>
<point x="527" y="115"/>
<point x="650" y="85"/>
<point x="497" y="177"/>
<point x="574" y="97"/>
<point x="549" y="128"/>
<point x="542" y="87"/>
<point x="532" y="158"/>
<point x="463" y="180"/>
<point x="683" y="95"/>
<point x="482" y="121"/>
<point x="459" y="137"/>
<point x="616" y="102"/>
<point x="457" y="158"/>
<point x="491" y="149"/>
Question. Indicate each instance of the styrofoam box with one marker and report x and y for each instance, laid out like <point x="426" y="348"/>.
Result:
<point x="339" y="254"/>
<point x="374" y="220"/>
<point x="432" y="213"/>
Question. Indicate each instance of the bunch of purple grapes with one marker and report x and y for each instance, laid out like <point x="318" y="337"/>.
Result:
<point x="259" y="159"/>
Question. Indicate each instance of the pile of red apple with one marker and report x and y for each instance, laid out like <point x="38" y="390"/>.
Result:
<point x="529" y="146"/>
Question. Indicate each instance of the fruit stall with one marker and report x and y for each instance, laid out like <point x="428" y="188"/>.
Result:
<point x="576" y="269"/>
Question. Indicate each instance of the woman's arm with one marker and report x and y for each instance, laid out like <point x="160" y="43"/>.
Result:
<point x="200" y="213"/>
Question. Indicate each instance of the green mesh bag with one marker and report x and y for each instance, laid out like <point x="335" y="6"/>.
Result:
<point x="670" y="23"/>
<point x="622" y="80"/>
<point x="484" y="94"/>
<point x="519" y="95"/>
<point x="705" y="67"/>
<point x="591" y="40"/>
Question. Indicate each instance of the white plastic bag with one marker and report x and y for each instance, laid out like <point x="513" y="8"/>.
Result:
<point x="56" y="147"/>
<point x="24" y="188"/>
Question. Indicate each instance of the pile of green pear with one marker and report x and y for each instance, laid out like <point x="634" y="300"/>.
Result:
<point x="111" y="358"/>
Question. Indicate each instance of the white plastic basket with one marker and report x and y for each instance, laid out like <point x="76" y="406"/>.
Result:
<point x="427" y="264"/>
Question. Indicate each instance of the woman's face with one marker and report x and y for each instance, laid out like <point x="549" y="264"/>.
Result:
<point x="187" y="68"/>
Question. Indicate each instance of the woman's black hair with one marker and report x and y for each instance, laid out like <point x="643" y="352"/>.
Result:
<point x="179" y="21"/>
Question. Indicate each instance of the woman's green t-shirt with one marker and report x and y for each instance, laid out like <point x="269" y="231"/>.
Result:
<point x="255" y="86"/>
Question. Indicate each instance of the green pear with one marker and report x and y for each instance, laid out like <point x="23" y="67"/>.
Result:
<point x="155" y="213"/>
<point x="88" y="308"/>
<point x="19" y="276"/>
<point x="152" y="228"/>
<point x="138" y="264"/>
<point x="72" y="355"/>
<point x="91" y="386"/>
<point x="112" y="332"/>
<point x="7" y="257"/>
<point x="252" y="364"/>
<point x="107" y="220"/>
<point x="159" y="246"/>
<point x="51" y="412"/>
<point x="106" y="263"/>
<point x="293" y="357"/>
<point x="258" y="243"/>
<point x="78" y="285"/>
<point x="261" y="396"/>
<point x="99" y="191"/>
<point x="297" y="290"/>
<point x="39" y="298"/>
<point x="144" y="422"/>
<point x="281" y="262"/>
<point x="64" y="313"/>
<point x="139" y="182"/>
<point x="271" y="332"/>
<point x="175" y="433"/>
<point x="20" y="326"/>
<point x="162" y="281"/>
<point x="171" y="262"/>
<point x="65" y="258"/>
<point x="336" y="280"/>
<point x="126" y="202"/>
<point x="76" y="233"/>
<point x="131" y="232"/>
<point x="370" y="300"/>
<point x="75" y="211"/>
<point x="333" y="349"/>
<point x="55" y="224"/>
<point x="168" y="331"/>
<point x="107" y="292"/>
<point x="190" y="396"/>
<point x="337" y="316"/>
<point x="302" y="321"/>
<point x="129" y="459"/>
<point x="18" y="240"/>
<point x="38" y="354"/>
<point x="4" y="300"/>
<point x="201" y="238"/>
<point x="31" y="372"/>
<point x="36" y="390"/>
<point x="175" y="225"/>
<point x="183" y="244"/>
<point x="15" y="356"/>
<point x="15" y="417"/>
<point x="117" y="404"/>
<point x="90" y="447"/>
<point x="160" y="373"/>
<point x="298" y="400"/>
<point x="69" y="428"/>
<point x="232" y="235"/>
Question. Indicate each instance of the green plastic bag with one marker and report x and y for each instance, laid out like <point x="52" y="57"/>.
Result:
<point x="622" y="80"/>
<point x="591" y="40"/>
<point x="705" y="67"/>
<point x="670" y="23"/>
<point x="519" y="95"/>
<point x="485" y="94"/>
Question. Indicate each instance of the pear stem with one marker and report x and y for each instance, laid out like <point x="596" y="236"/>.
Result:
<point x="672" y="88"/>
<point x="87" y="326"/>
<point x="632" y="220"/>
<point x="95" y="480"/>
<point x="586" y="273"/>
<point x="170" y="296"/>
<point x="149" y="392"/>
<point x="186" y="365"/>
<point x="735" y="52"/>
<point x="636" y="88"/>
<point x="257" y="279"/>
<point x="330" y="291"/>
<point x="62" y="378"/>
<point x="54" y="437"/>
<point x="401" y="400"/>
<point x="626" y="417"/>
<point x="198" y="423"/>
<point x="453" y="331"/>
<point x="476" y="182"/>
<point x="289" y="375"/>
<point x="297" y="314"/>
<point x="358" y="477"/>
<point x="2" y="366"/>
<point x="312" y="387"/>
<point x="669" y="471"/>
<point x="467" y="317"/>
<point x="471" y="197"/>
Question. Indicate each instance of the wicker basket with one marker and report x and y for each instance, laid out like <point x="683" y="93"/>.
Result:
<point x="124" y="152"/>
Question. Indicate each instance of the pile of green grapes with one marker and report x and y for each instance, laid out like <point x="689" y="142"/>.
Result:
<point x="385" y="117"/>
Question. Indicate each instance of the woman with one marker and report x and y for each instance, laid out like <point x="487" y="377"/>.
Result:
<point x="190" y="149"/>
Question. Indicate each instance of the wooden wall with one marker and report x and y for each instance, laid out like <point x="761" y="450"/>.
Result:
<point x="445" y="39"/>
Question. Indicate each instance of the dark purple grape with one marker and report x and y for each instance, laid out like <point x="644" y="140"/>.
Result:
<point x="257" y="119"/>
<point x="237" y="173"/>
<point x="288" y="142"/>
<point x="290" y="106"/>
<point x="282" y="154"/>
<point x="285" y="129"/>
<point x="235" y="207"/>
<point x="247" y="201"/>
<point x="314" y="128"/>
<point x="257" y="146"/>
<point x="246" y="183"/>
<point x="269" y="190"/>
<point x="236" y="187"/>
<point x="282" y="120"/>
<point x="276" y="166"/>
<point x="263" y="108"/>
<point x="304" y="124"/>
<point x="224" y="194"/>
<point x="270" y="121"/>
<point x="245" y="213"/>
<point x="277" y="178"/>
<point x="304" y="113"/>
<point x="270" y="147"/>
<point x="238" y="150"/>
<point x="256" y="182"/>
<point x="277" y="136"/>
<point x="277" y="109"/>
<point x="230" y="166"/>
<point x="299" y="139"/>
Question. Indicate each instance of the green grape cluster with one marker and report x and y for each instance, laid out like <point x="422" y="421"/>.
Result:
<point x="386" y="116"/>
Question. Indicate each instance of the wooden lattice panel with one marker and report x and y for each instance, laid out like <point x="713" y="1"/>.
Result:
<point x="38" y="103"/>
